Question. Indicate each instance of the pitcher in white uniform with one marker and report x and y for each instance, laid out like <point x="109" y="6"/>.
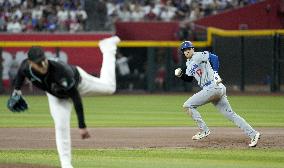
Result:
<point x="203" y="66"/>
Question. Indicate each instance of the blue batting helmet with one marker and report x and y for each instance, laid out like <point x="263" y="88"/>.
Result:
<point x="186" y="44"/>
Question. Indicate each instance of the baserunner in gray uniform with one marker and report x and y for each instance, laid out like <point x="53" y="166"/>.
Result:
<point x="203" y="66"/>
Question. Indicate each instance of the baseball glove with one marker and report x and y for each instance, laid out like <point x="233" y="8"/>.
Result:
<point x="17" y="103"/>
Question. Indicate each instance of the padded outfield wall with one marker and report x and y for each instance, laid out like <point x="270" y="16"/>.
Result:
<point x="89" y="58"/>
<point x="249" y="59"/>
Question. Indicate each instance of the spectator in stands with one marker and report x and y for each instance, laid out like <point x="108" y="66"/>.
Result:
<point x="29" y="4"/>
<point x="81" y="16"/>
<point x="100" y="15"/>
<point x="2" y="25"/>
<point x="151" y="12"/>
<point x="6" y="4"/>
<point x="111" y="7"/>
<point x="40" y="25"/>
<point x="196" y="13"/>
<point x="167" y="12"/>
<point x="103" y="13"/>
<point x="182" y="11"/>
<point x="124" y="13"/>
<point x="207" y="6"/>
<point x="111" y="14"/>
<point x="27" y="22"/>
<point x="62" y="18"/>
<point x="224" y="4"/>
<point x="2" y="20"/>
<point x="76" y="25"/>
<point x="16" y="12"/>
<point x="14" y="26"/>
<point x="137" y="13"/>
<point x="37" y="13"/>
<point x="51" y="21"/>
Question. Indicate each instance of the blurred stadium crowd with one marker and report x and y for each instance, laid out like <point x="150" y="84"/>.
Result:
<point x="99" y="15"/>
<point x="42" y="15"/>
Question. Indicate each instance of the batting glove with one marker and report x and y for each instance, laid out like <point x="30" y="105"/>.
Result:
<point x="178" y="72"/>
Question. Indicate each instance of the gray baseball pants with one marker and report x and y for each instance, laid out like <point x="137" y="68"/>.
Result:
<point x="216" y="94"/>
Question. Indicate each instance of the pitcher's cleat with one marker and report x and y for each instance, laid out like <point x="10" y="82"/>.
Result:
<point x="109" y="43"/>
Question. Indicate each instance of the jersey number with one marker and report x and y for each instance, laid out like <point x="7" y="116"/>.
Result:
<point x="199" y="72"/>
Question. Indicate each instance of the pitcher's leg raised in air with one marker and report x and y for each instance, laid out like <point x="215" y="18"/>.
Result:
<point x="106" y="83"/>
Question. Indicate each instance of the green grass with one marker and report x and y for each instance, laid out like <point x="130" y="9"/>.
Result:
<point x="148" y="111"/>
<point x="153" y="158"/>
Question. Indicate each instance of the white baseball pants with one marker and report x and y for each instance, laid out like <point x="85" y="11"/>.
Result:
<point x="60" y="109"/>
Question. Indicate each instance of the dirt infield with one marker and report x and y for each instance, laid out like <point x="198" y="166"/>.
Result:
<point x="161" y="137"/>
<point x="166" y="137"/>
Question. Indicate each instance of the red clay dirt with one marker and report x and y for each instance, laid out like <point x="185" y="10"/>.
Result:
<point x="150" y="137"/>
